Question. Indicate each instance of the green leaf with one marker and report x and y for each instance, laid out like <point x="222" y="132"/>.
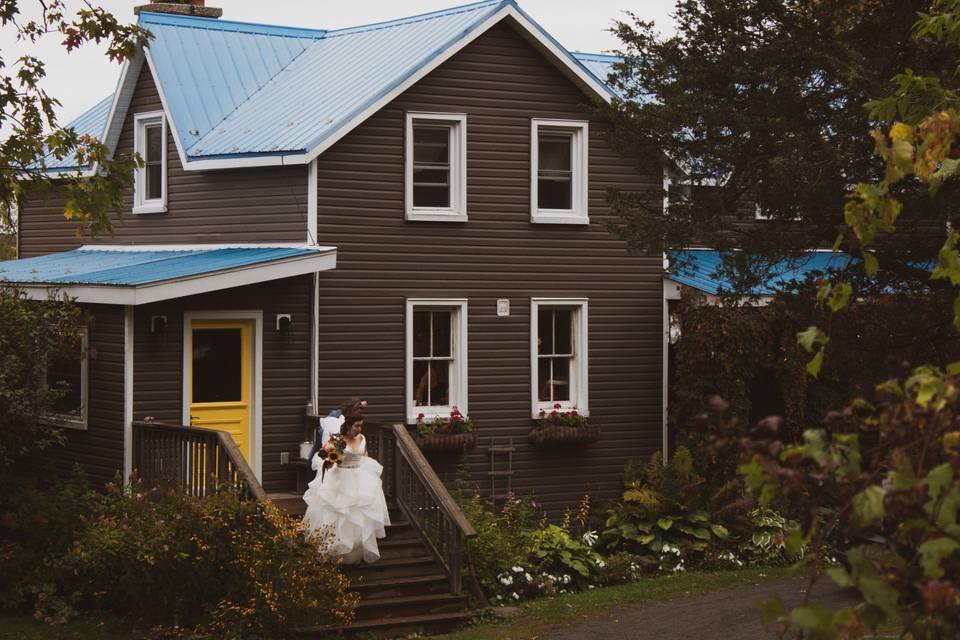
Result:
<point x="720" y="531"/>
<point x="815" y="364"/>
<point x="953" y="369"/>
<point x="810" y="337"/>
<point x="805" y="617"/>
<point x="870" y="263"/>
<point x="665" y="523"/>
<point x="840" y="577"/>
<point x="773" y="610"/>
<point x="868" y="505"/>
<point x="932" y="554"/>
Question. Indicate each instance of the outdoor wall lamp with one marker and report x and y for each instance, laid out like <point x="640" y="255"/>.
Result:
<point x="284" y="325"/>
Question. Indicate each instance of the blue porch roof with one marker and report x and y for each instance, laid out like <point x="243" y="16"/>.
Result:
<point x="699" y="268"/>
<point x="135" y="275"/>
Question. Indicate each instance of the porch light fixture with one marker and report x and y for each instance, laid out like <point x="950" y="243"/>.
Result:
<point x="158" y="325"/>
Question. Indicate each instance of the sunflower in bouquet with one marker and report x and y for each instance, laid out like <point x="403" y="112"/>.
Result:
<point x="332" y="452"/>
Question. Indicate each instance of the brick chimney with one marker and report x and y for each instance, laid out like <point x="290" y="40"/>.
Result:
<point x="180" y="7"/>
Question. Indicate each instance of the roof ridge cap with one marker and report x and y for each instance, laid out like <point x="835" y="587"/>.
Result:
<point x="421" y="17"/>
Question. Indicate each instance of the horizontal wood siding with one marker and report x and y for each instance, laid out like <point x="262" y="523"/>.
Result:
<point x="99" y="448"/>
<point x="500" y="82"/>
<point x="158" y="363"/>
<point x="265" y="204"/>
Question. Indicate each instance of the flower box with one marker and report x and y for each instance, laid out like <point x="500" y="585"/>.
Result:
<point x="554" y="435"/>
<point x="445" y="434"/>
<point x="445" y="442"/>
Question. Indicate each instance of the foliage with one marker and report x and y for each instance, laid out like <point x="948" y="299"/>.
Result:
<point x="455" y="423"/>
<point x="879" y="482"/>
<point x="221" y="565"/>
<point x="759" y="103"/>
<point x="766" y="544"/>
<point x="557" y="416"/>
<point x="749" y="357"/>
<point x="660" y="514"/>
<point x="27" y="114"/>
<point x="32" y="332"/>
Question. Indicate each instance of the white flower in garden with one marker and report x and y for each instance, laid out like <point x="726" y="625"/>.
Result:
<point x="601" y="564"/>
<point x="528" y="577"/>
<point x="665" y="549"/>
<point x="589" y="538"/>
<point x="566" y="578"/>
<point x="517" y="569"/>
<point x="515" y="596"/>
<point x="506" y="581"/>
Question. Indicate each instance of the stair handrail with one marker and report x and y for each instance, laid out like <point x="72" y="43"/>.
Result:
<point x="198" y="461"/>
<point x="425" y="501"/>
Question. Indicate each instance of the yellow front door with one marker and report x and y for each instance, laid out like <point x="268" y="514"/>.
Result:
<point x="220" y="378"/>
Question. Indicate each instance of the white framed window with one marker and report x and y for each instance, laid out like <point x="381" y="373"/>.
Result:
<point x="150" y="181"/>
<point x="558" y="171"/>
<point x="436" y="167"/>
<point x="558" y="355"/>
<point x="436" y="357"/>
<point x="69" y="374"/>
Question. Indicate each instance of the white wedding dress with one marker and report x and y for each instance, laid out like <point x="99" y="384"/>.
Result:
<point x="348" y="501"/>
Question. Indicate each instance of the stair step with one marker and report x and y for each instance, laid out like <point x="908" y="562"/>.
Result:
<point x="402" y="548"/>
<point x="401" y="586"/>
<point x="397" y="567"/>
<point x="399" y="626"/>
<point x="383" y="608"/>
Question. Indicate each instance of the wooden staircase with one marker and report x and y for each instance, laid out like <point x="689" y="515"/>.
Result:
<point x="405" y="592"/>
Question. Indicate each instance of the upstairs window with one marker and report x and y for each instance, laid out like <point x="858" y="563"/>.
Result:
<point x="436" y="357"/>
<point x="67" y="374"/>
<point x="436" y="167"/>
<point x="150" y="181"/>
<point x="558" y="354"/>
<point x="558" y="178"/>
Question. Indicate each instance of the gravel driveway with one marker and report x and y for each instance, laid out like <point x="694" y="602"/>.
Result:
<point x="731" y="614"/>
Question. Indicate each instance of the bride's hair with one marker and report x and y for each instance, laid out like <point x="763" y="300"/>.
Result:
<point x="352" y="413"/>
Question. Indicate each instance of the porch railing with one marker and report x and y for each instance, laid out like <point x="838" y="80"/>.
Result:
<point x="199" y="462"/>
<point x="424" y="500"/>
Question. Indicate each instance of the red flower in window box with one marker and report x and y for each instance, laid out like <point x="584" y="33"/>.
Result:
<point x="445" y="433"/>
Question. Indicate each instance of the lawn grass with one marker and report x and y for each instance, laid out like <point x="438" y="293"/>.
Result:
<point x="540" y="616"/>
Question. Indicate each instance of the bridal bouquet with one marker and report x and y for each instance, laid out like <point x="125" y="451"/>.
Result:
<point x="332" y="452"/>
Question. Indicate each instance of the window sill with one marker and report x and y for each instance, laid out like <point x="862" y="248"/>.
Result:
<point x="435" y="216"/>
<point x="430" y="413"/>
<point x="145" y="209"/>
<point x="559" y="218"/>
<point x="66" y="422"/>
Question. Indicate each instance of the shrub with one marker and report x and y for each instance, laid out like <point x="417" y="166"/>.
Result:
<point x="502" y="539"/>
<point x="661" y="514"/>
<point x="220" y="565"/>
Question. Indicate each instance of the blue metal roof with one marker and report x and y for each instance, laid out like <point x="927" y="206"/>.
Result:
<point x="92" y="122"/>
<point x="599" y="64"/>
<point x="334" y="80"/>
<point x="131" y="268"/>
<point x="700" y="269"/>
<point x="236" y="88"/>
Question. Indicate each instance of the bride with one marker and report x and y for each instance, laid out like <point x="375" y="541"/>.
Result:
<point x="348" y="499"/>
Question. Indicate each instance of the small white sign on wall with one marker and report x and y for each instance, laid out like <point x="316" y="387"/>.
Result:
<point x="503" y="308"/>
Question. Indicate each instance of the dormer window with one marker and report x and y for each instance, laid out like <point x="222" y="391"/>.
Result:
<point x="558" y="172"/>
<point x="150" y="181"/>
<point x="436" y="167"/>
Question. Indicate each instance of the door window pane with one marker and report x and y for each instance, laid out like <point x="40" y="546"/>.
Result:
<point x="217" y="364"/>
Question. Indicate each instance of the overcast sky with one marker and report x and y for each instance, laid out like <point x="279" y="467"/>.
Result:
<point x="83" y="77"/>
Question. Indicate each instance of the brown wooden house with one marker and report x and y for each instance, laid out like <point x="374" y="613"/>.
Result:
<point x="412" y="212"/>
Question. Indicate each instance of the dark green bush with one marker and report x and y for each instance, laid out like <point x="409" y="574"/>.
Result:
<point x="220" y="565"/>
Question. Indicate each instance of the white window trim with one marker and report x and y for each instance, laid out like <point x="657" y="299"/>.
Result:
<point x="458" y="375"/>
<point x="68" y="421"/>
<point x="141" y="205"/>
<point x="579" y="214"/>
<point x="457" y="212"/>
<point x="579" y="385"/>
